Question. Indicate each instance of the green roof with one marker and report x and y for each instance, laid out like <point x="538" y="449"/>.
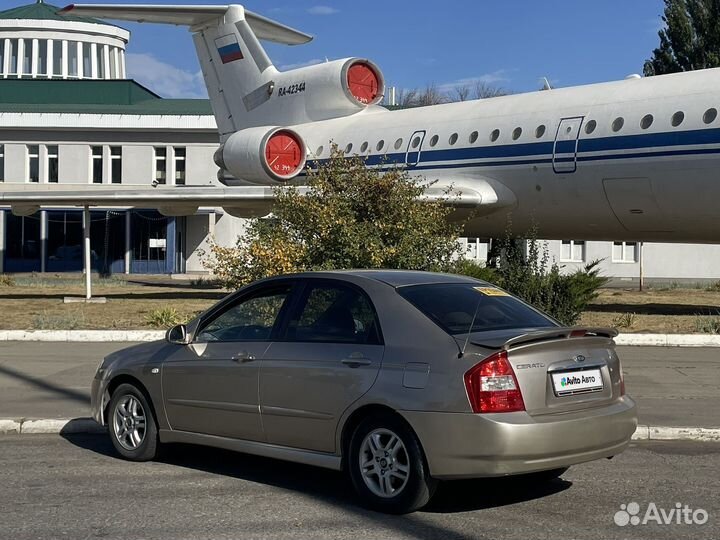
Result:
<point x="40" y="11"/>
<point x="92" y="97"/>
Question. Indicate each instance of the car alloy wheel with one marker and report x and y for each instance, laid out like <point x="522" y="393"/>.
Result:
<point x="384" y="463"/>
<point x="129" y="422"/>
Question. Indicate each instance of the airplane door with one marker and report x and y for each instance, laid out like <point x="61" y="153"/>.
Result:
<point x="412" y="155"/>
<point x="565" y="148"/>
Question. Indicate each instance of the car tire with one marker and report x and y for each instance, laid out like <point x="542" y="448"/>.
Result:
<point x="393" y="476"/>
<point x="131" y="423"/>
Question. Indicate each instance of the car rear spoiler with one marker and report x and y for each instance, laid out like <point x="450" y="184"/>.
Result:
<point x="573" y="332"/>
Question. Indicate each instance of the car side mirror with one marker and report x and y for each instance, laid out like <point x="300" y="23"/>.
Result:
<point x="178" y="335"/>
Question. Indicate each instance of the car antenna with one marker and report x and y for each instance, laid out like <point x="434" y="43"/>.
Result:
<point x="472" y="323"/>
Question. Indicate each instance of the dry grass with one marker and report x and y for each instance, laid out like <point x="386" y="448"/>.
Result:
<point x="37" y="303"/>
<point x="672" y="310"/>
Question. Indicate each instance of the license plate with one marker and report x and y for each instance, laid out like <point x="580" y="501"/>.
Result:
<point x="568" y="383"/>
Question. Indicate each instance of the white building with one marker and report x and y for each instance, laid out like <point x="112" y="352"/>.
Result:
<point x="68" y="115"/>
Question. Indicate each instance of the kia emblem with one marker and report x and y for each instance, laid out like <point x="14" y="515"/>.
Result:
<point x="579" y="358"/>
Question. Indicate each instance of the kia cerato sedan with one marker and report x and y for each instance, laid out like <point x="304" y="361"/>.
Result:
<point x="399" y="378"/>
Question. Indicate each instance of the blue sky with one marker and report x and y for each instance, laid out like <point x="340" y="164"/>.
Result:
<point x="508" y="43"/>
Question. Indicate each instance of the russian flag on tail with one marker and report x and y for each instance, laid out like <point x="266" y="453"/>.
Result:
<point x="228" y="48"/>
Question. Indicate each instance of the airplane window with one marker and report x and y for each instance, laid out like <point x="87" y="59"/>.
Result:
<point x="494" y="135"/>
<point x="453" y="138"/>
<point x="618" y="124"/>
<point x="380" y="145"/>
<point x="710" y="116"/>
<point x="473" y="137"/>
<point x="646" y="121"/>
<point x="364" y="147"/>
<point x="434" y="140"/>
<point x="516" y="133"/>
<point x="590" y="126"/>
<point x="398" y="144"/>
<point x="678" y="118"/>
<point x="540" y="131"/>
<point x="348" y="148"/>
<point x="319" y="151"/>
<point x="416" y="142"/>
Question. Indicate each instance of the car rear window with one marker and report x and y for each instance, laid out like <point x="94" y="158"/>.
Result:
<point x="454" y="305"/>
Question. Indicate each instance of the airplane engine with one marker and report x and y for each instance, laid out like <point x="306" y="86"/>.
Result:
<point x="332" y="89"/>
<point x="261" y="155"/>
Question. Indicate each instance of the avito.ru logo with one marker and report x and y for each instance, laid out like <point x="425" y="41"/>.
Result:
<point x="679" y="515"/>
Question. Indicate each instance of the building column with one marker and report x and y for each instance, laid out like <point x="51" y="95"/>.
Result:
<point x="20" y="57"/>
<point x="65" y="59"/>
<point x="80" y="60"/>
<point x="43" y="240"/>
<point x="170" y="237"/>
<point x="2" y="241"/>
<point x="34" y="58"/>
<point x="123" y="73"/>
<point x="50" y="60"/>
<point x="128" y="241"/>
<point x="5" y="60"/>
<point x="93" y="61"/>
<point x="106" y="61"/>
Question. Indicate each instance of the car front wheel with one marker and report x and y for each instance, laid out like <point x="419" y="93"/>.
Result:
<point x="131" y="423"/>
<point x="387" y="466"/>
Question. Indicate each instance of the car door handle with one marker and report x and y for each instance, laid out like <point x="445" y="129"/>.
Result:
<point x="243" y="356"/>
<point x="355" y="362"/>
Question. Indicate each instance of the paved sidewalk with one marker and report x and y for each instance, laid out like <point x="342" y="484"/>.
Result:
<point x="677" y="387"/>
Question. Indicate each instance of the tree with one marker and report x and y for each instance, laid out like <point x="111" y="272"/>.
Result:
<point x="690" y="39"/>
<point x="350" y="216"/>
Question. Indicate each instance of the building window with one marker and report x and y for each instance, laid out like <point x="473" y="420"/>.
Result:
<point x="27" y="57"/>
<point x="572" y="251"/>
<point x="2" y="162"/>
<point x="100" y="59"/>
<point x="13" y="54"/>
<point x="57" y="69"/>
<point x="115" y="164"/>
<point x="41" y="54"/>
<point x="73" y="61"/>
<point x="33" y="151"/>
<point x="625" y="252"/>
<point x="86" y="61"/>
<point x="180" y="166"/>
<point x="160" y="165"/>
<point x="52" y="160"/>
<point x="97" y="164"/>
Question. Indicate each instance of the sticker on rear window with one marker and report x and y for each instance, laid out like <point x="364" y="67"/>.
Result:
<point x="491" y="291"/>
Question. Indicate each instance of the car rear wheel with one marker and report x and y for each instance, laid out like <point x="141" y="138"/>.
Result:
<point x="387" y="466"/>
<point x="131" y="423"/>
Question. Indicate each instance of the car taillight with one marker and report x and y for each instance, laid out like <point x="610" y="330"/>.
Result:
<point x="492" y="386"/>
<point x="622" y="378"/>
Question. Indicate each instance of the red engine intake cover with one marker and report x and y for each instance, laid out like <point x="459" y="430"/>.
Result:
<point x="363" y="82"/>
<point x="283" y="153"/>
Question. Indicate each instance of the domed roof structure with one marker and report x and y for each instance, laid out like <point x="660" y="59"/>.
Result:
<point x="39" y="41"/>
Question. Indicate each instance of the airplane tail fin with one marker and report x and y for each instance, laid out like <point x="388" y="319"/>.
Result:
<point x="238" y="72"/>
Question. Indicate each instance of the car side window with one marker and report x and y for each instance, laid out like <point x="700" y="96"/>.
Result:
<point x="250" y="319"/>
<point x="335" y="314"/>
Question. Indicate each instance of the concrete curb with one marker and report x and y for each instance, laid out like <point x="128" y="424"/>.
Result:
<point x="66" y="426"/>
<point x="119" y="336"/>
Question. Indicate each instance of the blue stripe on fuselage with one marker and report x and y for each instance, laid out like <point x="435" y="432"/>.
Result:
<point x="542" y="152"/>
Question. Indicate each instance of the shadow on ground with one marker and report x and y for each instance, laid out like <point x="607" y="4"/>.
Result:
<point x="656" y="309"/>
<point x="334" y="489"/>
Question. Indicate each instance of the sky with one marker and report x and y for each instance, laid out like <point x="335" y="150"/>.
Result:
<point x="506" y="43"/>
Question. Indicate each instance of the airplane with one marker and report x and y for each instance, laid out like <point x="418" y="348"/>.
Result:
<point x="635" y="159"/>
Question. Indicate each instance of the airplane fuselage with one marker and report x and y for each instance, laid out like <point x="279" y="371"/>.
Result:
<point x="583" y="162"/>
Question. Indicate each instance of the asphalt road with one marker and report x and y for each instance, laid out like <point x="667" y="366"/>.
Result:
<point x="673" y="386"/>
<point x="75" y="487"/>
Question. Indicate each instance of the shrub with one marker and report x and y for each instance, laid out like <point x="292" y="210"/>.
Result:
<point x="6" y="280"/>
<point x="624" y="320"/>
<point x="62" y="321"/>
<point x="164" y="318"/>
<point x="707" y="324"/>
<point x="350" y="216"/>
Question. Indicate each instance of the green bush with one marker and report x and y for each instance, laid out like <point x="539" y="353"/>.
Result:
<point x="533" y="278"/>
<point x="6" y="280"/>
<point x="164" y="318"/>
<point x="707" y="324"/>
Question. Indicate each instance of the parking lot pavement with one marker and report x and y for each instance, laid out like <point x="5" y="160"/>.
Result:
<point x="673" y="386"/>
<point x="75" y="487"/>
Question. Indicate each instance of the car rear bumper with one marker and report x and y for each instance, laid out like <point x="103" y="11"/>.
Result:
<point x="466" y="445"/>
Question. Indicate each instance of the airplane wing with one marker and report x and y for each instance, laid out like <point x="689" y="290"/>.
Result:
<point x="263" y="27"/>
<point x="240" y="201"/>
